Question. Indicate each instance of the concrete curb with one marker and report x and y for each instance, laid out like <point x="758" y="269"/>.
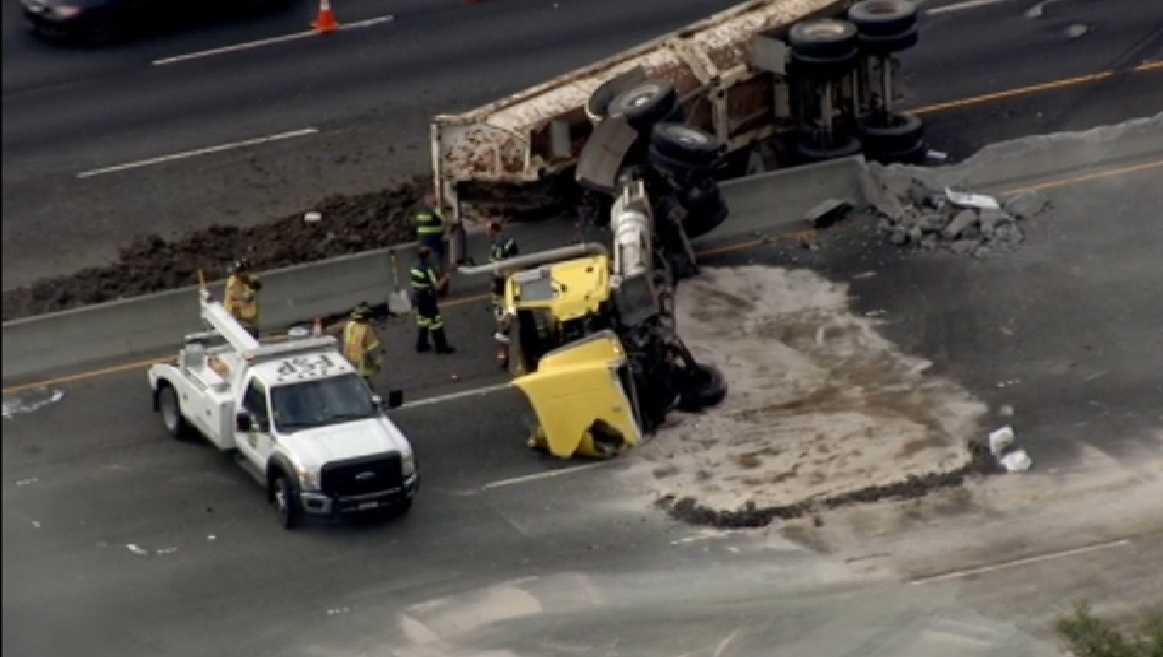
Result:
<point x="299" y="293"/>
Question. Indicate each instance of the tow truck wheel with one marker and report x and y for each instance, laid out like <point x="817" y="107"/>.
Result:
<point x="645" y="104"/>
<point x="171" y="412"/>
<point x="883" y="17"/>
<point x="286" y="502"/>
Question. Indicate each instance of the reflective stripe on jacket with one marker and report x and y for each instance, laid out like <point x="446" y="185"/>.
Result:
<point x="423" y="277"/>
<point x="502" y="249"/>
<point x="359" y="341"/>
<point x="241" y="300"/>
<point x="428" y="222"/>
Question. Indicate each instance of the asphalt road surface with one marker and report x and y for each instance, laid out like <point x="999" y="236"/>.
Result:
<point x="120" y="541"/>
<point x="369" y="93"/>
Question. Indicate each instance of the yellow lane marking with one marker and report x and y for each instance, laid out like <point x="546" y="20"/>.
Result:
<point x="80" y="376"/>
<point x="1018" y="91"/>
<point x="1149" y="65"/>
<point x="1062" y="182"/>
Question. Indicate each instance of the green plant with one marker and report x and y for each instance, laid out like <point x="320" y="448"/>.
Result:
<point x="1088" y="636"/>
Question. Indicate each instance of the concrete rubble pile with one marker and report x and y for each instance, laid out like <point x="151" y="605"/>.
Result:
<point x="916" y="212"/>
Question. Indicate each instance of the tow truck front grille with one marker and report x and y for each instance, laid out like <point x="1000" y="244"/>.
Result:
<point x="361" y="476"/>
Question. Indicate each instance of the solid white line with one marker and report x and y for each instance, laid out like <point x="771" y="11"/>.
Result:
<point x="1019" y="562"/>
<point x="457" y="395"/>
<point x="540" y="475"/>
<point x="268" y="41"/>
<point x="959" y="6"/>
<point x="201" y="151"/>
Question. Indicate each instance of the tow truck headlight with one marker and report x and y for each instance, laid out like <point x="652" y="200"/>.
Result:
<point x="308" y="480"/>
<point x="408" y="463"/>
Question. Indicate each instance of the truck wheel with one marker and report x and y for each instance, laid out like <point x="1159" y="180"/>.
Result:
<point x="883" y="17"/>
<point x="903" y="131"/>
<point x="171" y="411"/>
<point x="286" y="496"/>
<point x="682" y="144"/>
<point x="811" y="152"/>
<point x="826" y="38"/>
<point x="706" y="387"/>
<point x="889" y="43"/>
<point x="645" y="104"/>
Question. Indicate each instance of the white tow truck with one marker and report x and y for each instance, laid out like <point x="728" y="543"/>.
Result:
<point x="303" y="422"/>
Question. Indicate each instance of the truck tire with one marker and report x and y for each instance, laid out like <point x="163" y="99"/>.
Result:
<point x="707" y="388"/>
<point x="286" y="499"/>
<point x="903" y="131"/>
<point x="888" y="43"/>
<point x="171" y="412"/>
<point x="645" y="104"/>
<point x="673" y="143"/>
<point x="811" y="152"/>
<point x="883" y="17"/>
<point x="824" y="38"/>
<point x="831" y="67"/>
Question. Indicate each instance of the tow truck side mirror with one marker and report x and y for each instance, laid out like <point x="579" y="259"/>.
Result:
<point x="242" y="422"/>
<point x="395" y="399"/>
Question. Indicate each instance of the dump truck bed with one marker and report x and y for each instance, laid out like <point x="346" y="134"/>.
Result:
<point x="539" y="131"/>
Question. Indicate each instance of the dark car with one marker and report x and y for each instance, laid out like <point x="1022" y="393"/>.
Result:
<point x="112" y="20"/>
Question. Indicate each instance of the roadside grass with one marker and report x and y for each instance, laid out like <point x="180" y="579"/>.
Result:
<point x="1086" y="635"/>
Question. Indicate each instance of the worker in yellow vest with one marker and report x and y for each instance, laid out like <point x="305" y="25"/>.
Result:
<point x="361" y="345"/>
<point x="241" y="298"/>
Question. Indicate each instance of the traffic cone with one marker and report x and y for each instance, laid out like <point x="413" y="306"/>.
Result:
<point x="317" y="329"/>
<point x="325" y="22"/>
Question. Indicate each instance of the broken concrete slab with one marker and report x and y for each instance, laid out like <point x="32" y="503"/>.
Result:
<point x="964" y="247"/>
<point x="827" y="212"/>
<point x="1027" y="204"/>
<point x="963" y="220"/>
<point x="989" y="220"/>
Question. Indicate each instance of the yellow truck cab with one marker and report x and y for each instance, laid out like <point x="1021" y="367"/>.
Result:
<point x="568" y="361"/>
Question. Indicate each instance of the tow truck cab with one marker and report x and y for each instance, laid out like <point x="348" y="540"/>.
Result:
<point x="303" y="421"/>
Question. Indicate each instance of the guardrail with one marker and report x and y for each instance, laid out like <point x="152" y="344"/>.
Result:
<point x="152" y="323"/>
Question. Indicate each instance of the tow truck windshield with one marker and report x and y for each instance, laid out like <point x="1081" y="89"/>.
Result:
<point x="321" y="402"/>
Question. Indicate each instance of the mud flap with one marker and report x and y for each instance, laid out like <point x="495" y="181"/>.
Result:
<point x="602" y="156"/>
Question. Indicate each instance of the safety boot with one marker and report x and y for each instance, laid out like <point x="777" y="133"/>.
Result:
<point x="442" y="346"/>
<point x="422" y="341"/>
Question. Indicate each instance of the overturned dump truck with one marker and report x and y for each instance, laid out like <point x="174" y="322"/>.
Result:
<point x="594" y="348"/>
<point x="775" y="82"/>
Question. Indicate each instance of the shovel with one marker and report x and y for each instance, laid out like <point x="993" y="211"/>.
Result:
<point x="399" y="303"/>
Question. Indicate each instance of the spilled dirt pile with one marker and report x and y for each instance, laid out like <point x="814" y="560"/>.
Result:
<point x="822" y="410"/>
<point x="152" y="264"/>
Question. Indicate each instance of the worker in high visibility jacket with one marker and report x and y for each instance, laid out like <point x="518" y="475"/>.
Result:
<point x="426" y="283"/>
<point x="430" y="227"/>
<point x="501" y="248"/>
<point x="241" y="298"/>
<point x="361" y="344"/>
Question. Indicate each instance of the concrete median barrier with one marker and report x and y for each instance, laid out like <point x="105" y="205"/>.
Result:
<point x="152" y="323"/>
<point x="157" y="322"/>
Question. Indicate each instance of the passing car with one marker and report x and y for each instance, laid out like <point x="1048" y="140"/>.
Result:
<point x="104" y="21"/>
